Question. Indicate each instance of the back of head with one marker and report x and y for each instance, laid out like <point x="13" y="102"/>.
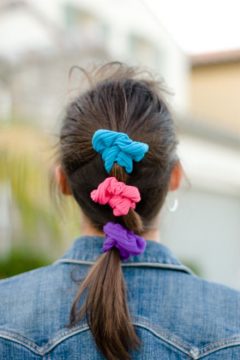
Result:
<point x="124" y="100"/>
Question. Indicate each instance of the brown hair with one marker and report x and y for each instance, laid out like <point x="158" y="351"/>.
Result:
<point x="120" y="98"/>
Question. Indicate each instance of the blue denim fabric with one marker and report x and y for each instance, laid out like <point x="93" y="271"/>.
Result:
<point x="176" y="314"/>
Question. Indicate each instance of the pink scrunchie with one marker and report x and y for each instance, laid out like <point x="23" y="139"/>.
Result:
<point x="119" y="196"/>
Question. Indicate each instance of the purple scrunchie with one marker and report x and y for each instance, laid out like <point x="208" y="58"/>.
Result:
<point x="126" y="241"/>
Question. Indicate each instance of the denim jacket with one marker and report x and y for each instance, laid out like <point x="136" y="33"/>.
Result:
<point x="176" y="314"/>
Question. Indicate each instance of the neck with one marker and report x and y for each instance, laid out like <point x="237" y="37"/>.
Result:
<point x="88" y="229"/>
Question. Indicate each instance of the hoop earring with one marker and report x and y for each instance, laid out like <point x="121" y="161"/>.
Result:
<point x="174" y="207"/>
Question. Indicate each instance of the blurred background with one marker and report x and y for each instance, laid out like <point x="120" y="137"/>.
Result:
<point x="194" y="46"/>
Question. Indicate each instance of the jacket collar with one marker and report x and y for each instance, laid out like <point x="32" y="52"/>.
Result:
<point x="86" y="249"/>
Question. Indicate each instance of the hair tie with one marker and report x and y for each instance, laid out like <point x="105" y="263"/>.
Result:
<point x="117" y="147"/>
<point x="117" y="194"/>
<point x="126" y="241"/>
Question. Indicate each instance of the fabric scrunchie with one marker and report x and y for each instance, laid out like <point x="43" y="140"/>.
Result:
<point x="126" y="241"/>
<point x="117" y="194"/>
<point x="117" y="147"/>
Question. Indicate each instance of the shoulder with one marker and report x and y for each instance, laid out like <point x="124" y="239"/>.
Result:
<point x="35" y="305"/>
<point x="180" y="289"/>
<point x="52" y="275"/>
<point x="187" y="312"/>
<point x="212" y="318"/>
<point x="207" y="304"/>
<point x="214" y="295"/>
<point x="24" y="279"/>
<point x="24" y="292"/>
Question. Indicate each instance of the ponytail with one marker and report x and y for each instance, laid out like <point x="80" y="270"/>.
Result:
<point x="105" y="305"/>
<point x="120" y="98"/>
<point x="106" y="308"/>
<point x="132" y="220"/>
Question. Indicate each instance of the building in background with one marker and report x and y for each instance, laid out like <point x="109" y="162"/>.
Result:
<point x="52" y="36"/>
<point x="34" y="73"/>
<point x="205" y="230"/>
<point x="210" y="149"/>
<point x="214" y="83"/>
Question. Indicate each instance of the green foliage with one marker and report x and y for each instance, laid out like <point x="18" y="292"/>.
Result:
<point x="196" y="268"/>
<point x="18" y="261"/>
<point x="26" y="162"/>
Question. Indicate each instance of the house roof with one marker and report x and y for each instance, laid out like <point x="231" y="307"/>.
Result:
<point x="213" y="58"/>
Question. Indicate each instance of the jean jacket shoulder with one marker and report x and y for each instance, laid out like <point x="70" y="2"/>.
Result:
<point x="176" y="314"/>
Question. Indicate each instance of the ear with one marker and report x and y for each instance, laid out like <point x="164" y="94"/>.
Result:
<point x="176" y="176"/>
<point x="61" y="180"/>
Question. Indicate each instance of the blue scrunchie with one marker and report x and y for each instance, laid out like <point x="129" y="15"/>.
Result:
<point x="117" y="146"/>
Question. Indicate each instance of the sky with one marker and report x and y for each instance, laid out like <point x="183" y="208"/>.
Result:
<point x="198" y="26"/>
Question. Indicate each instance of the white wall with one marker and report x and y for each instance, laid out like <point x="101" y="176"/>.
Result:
<point x="205" y="229"/>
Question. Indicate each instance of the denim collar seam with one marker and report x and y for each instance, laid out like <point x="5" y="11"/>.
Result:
<point x="170" y="266"/>
<point x="81" y="246"/>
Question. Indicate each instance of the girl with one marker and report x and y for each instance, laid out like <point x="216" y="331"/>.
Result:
<point x="118" y="293"/>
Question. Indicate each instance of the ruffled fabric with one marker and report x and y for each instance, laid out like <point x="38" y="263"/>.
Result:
<point x="117" y="194"/>
<point x="117" y="147"/>
<point x="126" y="241"/>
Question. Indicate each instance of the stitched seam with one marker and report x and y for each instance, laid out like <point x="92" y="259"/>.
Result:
<point x="174" y="343"/>
<point x="136" y="322"/>
<point x="69" y="334"/>
<point x="33" y="346"/>
<point x="195" y="353"/>
<point x="61" y="337"/>
<point x="219" y="345"/>
<point x="56" y="341"/>
<point x="140" y="264"/>
<point x="74" y="332"/>
<point x="22" y="341"/>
